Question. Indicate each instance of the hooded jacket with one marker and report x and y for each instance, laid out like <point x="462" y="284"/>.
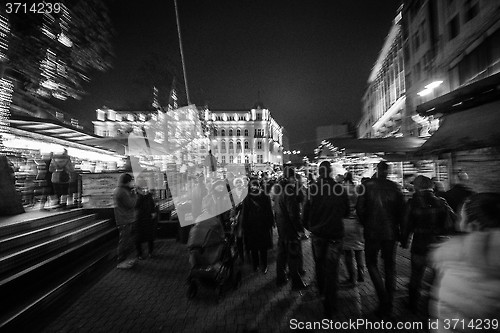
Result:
<point x="326" y="206"/>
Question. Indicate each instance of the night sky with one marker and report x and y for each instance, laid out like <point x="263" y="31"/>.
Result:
<point x="310" y="60"/>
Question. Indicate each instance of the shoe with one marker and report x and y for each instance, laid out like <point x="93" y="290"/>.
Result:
<point x="124" y="265"/>
<point x="301" y="286"/>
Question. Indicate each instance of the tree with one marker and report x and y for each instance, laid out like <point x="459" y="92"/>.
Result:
<point x="51" y="55"/>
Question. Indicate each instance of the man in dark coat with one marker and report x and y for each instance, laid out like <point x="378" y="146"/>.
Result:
<point x="380" y="210"/>
<point x="287" y="213"/>
<point x="426" y="217"/>
<point x="326" y="206"/>
<point x="146" y="219"/>
<point x="459" y="192"/>
<point x="257" y="224"/>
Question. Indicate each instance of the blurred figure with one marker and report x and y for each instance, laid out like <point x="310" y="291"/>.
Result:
<point x="146" y="219"/>
<point x="426" y="218"/>
<point x="62" y="169"/>
<point x="323" y="215"/>
<point x="125" y="198"/>
<point x="10" y="203"/>
<point x="458" y="192"/>
<point x="380" y="210"/>
<point x="287" y="213"/>
<point x="438" y="187"/>
<point x="239" y="194"/>
<point x="468" y="289"/>
<point x="257" y="225"/>
<point x="353" y="235"/>
<point x="49" y="188"/>
<point x="199" y="191"/>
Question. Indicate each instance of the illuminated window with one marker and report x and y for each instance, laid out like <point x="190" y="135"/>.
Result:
<point x="223" y="146"/>
<point x="223" y="158"/>
<point x="246" y="144"/>
<point x="222" y="132"/>
<point x="238" y="132"/>
<point x="239" y="159"/>
<point x="231" y="159"/>
<point x="238" y="145"/>
<point x="246" y="159"/>
<point x="259" y="145"/>
<point x="246" y="132"/>
<point x="260" y="159"/>
<point x="230" y="132"/>
<point x="231" y="146"/>
<point x="259" y="116"/>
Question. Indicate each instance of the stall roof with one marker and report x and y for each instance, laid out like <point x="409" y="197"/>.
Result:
<point x="393" y="145"/>
<point x="463" y="98"/>
<point x="50" y="128"/>
<point x="478" y="127"/>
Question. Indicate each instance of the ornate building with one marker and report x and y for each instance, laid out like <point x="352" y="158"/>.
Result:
<point x="384" y="99"/>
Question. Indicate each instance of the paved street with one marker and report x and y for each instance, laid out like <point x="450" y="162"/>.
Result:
<point x="152" y="298"/>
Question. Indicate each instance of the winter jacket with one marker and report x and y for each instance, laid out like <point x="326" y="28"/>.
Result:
<point x="427" y="217"/>
<point x="124" y="201"/>
<point x="146" y="224"/>
<point x="469" y="288"/>
<point x="287" y="211"/>
<point x="257" y="221"/>
<point x="380" y="209"/>
<point x="326" y="206"/>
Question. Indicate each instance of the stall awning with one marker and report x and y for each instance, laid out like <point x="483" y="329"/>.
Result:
<point x="393" y="145"/>
<point x="478" y="127"/>
<point x="50" y="128"/>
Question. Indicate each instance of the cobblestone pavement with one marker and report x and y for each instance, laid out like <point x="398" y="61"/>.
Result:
<point x="152" y="298"/>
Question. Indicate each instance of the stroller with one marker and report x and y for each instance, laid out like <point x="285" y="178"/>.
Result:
<point x="212" y="255"/>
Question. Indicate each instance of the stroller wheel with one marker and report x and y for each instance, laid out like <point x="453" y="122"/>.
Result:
<point x="192" y="290"/>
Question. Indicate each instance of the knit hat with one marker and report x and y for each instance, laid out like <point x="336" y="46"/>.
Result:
<point x="423" y="183"/>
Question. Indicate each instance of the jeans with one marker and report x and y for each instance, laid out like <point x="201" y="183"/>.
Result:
<point x="385" y="290"/>
<point x="326" y="253"/>
<point x="125" y="242"/>
<point x="288" y="253"/>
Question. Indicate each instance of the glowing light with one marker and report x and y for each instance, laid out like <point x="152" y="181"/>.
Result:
<point x="425" y="92"/>
<point x="6" y="88"/>
<point x="429" y="88"/>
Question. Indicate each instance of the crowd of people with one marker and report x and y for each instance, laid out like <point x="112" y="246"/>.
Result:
<point x="454" y="233"/>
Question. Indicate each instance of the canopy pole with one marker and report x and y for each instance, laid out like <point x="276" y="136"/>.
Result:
<point x="182" y="52"/>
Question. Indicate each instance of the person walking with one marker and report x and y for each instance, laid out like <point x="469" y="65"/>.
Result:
<point x="380" y="210"/>
<point x="327" y="204"/>
<point x="62" y="170"/>
<point x="459" y="192"/>
<point x="146" y="220"/>
<point x="354" y="243"/>
<point x="124" y="198"/>
<point x="428" y="218"/>
<point x="257" y="225"/>
<point x="468" y="266"/>
<point x="287" y="214"/>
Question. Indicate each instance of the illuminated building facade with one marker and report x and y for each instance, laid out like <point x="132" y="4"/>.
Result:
<point x="384" y="99"/>
<point x="237" y="137"/>
<point x="251" y="137"/>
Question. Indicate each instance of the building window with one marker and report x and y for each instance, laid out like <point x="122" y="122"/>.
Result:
<point x="246" y="144"/>
<point x="453" y="27"/>
<point x="416" y="41"/>
<point x="259" y="116"/>
<point x="222" y="132"/>
<point x="223" y="159"/>
<point x="246" y="132"/>
<point x="231" y="159"/>
<point x="238" y="132"/>
<point x="247" y="159"/>
<point x="223" y="146"/>
<point x="260" y="159"/>
<point x="231" y="145"/>
<point x="259" y="145"/>
<point x="215" y="132"/>
<point x="239" y="159"/>
<point x="238" y="145"/>
<point x="230" y="132"/>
